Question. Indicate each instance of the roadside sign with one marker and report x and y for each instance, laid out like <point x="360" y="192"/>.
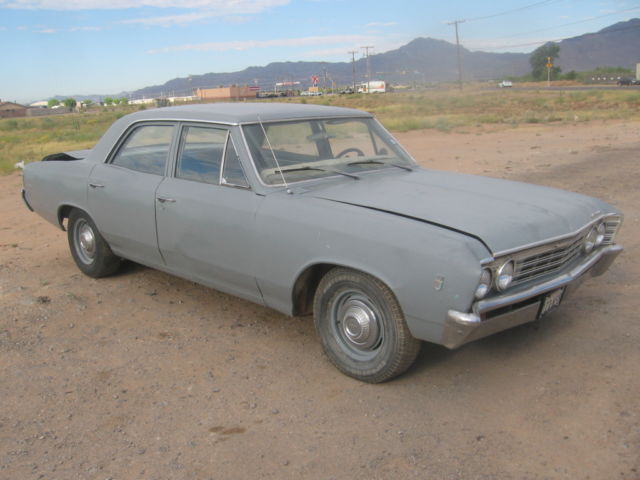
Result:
<point x="549" y="65"/>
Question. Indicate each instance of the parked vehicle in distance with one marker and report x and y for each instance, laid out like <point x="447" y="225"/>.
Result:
<point x="625" y="82"/>
<point x="318" y="210"/>
<point x="505" y="84"/>
<point x="374" y="86"/>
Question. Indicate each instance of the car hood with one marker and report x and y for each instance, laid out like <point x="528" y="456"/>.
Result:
<point x="503" y="214"/>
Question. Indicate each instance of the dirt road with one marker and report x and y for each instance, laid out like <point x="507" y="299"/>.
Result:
<point x="144" y="375"/>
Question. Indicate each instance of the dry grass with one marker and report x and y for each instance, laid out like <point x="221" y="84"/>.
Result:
<point x="444" y="109"/>
<point x="30" y="139"/>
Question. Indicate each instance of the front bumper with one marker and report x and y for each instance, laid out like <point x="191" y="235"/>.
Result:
<point x="506" y="311"/>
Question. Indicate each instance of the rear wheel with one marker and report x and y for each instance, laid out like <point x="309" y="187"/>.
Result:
<point x="89" y="250"/>
<point x="361" y="326"/>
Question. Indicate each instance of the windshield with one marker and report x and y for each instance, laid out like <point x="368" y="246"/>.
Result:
<point x="309" y="149"/>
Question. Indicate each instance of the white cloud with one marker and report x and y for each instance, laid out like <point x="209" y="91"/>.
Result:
<point x="169" y="20"/>
<point x="333" y="52"/>
<point x="213" y="8"/>
<point x="85" y="29"/>
<point x="381" y="24"/>
<point x="227" y="6"/>
<point x="252" y="44"/>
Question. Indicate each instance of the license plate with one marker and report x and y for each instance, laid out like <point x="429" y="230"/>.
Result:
<point x="550" y="301"/>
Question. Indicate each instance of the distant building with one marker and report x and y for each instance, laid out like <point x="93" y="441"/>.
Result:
<point x="40" y="104"/>
<point x="185" y="99"/>
<point x="12" y="110"/>
<point x="142" y="101"/>
<point x="226" y="93"/>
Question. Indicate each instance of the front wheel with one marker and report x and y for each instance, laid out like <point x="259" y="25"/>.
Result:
<point x="361" y="326"/>
<point x="89" y="250"/>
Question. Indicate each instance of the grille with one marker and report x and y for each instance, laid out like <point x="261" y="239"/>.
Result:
<point x="611" y="227"/>
<point x="551" y="258"/>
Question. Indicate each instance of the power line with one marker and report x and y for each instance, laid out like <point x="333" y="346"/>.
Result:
<point x="529" y="44"/>
<point x="507" y="12"/>
<point x="573" y="23"/>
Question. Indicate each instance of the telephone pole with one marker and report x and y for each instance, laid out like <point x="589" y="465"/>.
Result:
<point x="455" y="23"/>
<point x="353" y="67"/>
<point x="366" y="54"/>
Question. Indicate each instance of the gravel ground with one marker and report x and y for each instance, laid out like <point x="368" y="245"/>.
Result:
<point x="144" y="375"/>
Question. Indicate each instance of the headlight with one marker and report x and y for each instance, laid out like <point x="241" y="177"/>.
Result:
<point x="485" y="284"/>
<point x="594" y="238"/>
<point x="504" y="275"/>
<point x="601" y="231"/>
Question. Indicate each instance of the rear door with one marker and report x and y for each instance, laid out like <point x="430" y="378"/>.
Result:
<point x="122" y="191"/>
<point x="206" y="214"/>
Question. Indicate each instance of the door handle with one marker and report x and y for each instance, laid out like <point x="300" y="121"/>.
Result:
<point x="165" y="200"/>
<point x="96" y="185"/>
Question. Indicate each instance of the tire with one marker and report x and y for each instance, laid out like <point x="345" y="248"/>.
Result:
<point x="361" y="326"/>
<point x="89" y="250"/>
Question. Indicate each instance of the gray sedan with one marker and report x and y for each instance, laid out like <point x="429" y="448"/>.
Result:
<point x="319" y="210"/>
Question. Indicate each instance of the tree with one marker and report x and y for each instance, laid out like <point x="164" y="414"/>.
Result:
<point x="70" y="103"/>
<point x="108" y="101"/>
<point x="54" y="102"/>
<point x="87" y="103"/>
<point x="124" y="101"/>
<point x="539" y="58"/>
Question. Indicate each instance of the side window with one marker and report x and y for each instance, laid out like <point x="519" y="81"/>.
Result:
<point x="201" y="154"/>
<point x="146" y="149"/>
<point x="232" y="172"/>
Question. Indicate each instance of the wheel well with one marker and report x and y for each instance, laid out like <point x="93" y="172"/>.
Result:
<point x="305" y="287"/>
<point x="63" y="213"/>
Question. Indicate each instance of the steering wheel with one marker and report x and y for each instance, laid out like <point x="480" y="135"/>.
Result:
<point x="346" y="151"/>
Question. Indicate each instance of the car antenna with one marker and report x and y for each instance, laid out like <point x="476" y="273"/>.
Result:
<point x="286" y="185"/>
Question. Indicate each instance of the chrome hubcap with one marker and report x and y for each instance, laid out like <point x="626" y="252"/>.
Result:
<point x="86" y="242"/>
<point x="358" y="324"/>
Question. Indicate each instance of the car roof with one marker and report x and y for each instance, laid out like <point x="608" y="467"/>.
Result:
<point x="245" y="112"/>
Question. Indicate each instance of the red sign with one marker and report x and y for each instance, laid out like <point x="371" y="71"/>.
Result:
<point x="315" y="80"/>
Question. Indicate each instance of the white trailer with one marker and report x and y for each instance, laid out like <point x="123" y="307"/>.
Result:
<point x="373" y="86"/>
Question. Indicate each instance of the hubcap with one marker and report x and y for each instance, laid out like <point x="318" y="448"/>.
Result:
<point x="358" y="324"/>
<point x="86" y="242"/>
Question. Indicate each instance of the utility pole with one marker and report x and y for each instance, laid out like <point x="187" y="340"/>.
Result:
<point x="366" y="54"/>
<point x="455" y="23"/>
<point x="353" y="68"/>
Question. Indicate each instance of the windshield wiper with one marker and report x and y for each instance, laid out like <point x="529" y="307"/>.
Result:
<point x="380" y="162"/>
<point x="301" y="169"/>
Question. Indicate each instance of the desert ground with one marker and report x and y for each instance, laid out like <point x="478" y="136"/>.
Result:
<point x="146" y="376"/>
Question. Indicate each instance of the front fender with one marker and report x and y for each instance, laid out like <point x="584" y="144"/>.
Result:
<point x="429" y="269"/>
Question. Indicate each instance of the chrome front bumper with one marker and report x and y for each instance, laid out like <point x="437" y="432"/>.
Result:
<point x="506" y="311"/>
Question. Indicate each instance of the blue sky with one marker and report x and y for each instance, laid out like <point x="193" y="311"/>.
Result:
<point x="79" y="47"/>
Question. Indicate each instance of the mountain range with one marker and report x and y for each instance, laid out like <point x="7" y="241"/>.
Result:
<point x="424" y="60"/>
